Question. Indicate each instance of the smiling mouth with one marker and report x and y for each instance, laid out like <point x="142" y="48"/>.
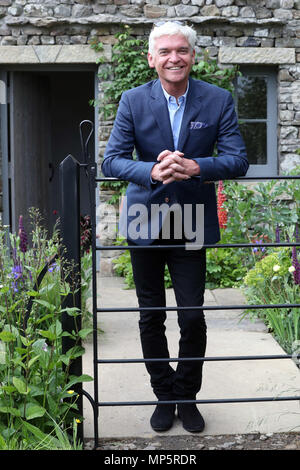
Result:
<point x="175" y="68"/>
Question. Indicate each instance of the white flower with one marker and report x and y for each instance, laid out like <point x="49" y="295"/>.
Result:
<point x="276" y="268"/>
<point x="292" y="269"/>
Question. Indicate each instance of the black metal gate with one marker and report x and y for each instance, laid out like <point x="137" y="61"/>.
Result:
<point x="70" y="223"/>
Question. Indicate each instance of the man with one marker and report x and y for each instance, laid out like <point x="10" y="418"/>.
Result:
<point x="173" y="123"/>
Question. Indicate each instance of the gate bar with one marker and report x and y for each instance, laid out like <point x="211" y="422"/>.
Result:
<point x="97" y="361"/>
<point x="197" y="307"/>
<point x="242" y="178"/>
<point x="213" y="400"/>
<point x="216" y="358"/>
<point x="221" y="245"/>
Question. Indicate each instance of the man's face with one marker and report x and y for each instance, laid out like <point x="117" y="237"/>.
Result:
<point x="172" y="59"/>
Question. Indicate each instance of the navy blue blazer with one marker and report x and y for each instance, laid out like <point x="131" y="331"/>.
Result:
<point x="142" y="123"/>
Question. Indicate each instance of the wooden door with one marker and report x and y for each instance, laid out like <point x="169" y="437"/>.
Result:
<point x="30" y="145"/>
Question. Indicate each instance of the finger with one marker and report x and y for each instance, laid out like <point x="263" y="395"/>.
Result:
<point x="177" y="167"/>
<point x="176" y="177"/>
<point x="168" y="161"/>
<point x="163" y="154"/>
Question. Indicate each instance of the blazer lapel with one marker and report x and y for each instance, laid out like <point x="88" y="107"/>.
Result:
<point x="192" y="108"/>
<point x="159" y="107"/>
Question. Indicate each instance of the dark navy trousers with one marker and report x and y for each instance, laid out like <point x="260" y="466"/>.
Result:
<point x="176" y="380"/>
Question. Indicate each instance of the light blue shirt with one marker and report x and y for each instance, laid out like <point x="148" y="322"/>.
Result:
<point x="176" y="113"/>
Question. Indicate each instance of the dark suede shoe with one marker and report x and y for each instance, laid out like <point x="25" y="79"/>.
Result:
<point x="191" y="417"/>
<point x="163" y="417"/>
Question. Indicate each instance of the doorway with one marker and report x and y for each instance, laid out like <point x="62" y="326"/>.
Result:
<point x="43" y="113"/>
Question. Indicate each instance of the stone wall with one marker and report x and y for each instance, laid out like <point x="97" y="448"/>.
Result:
<point x="259" y="24"/>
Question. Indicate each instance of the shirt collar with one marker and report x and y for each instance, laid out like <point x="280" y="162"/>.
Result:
<point x="170" y="96"/>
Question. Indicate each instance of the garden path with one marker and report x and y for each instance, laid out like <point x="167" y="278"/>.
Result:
<point x="228" y="335"/>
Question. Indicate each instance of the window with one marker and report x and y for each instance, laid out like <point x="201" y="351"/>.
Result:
<point x="256" y="106"/>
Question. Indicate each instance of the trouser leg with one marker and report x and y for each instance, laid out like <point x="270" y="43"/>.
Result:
<point x="148" y="272"/>
<point x="187" y="269"/>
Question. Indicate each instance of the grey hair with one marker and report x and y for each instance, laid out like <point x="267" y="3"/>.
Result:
<point x="170" y="28"/>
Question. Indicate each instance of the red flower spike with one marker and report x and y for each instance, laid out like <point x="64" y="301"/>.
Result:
<point x="222" y="213"/>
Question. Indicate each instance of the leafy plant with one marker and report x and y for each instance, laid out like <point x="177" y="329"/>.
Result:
<point x="271" y="281"/>
<point x="36" y="388"/>
<point x="123" y="267"/>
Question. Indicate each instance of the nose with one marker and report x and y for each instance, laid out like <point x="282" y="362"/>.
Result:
<point x="174" y="57"/>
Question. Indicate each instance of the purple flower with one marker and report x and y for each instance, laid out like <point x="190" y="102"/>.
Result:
<point x="17" y="271"/>
<point x="22" y="235"/>
<point x="296" y="265"/>
<point x="258" y="242"/>
<point x="53" y="267"/>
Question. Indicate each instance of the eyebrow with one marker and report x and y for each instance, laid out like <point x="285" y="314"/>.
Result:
<point x="164" y="49"/>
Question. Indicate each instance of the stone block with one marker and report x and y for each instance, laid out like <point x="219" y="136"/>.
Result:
<point x="62" y="11"/>
<point x="47" y="40"/>
<point x="287" y="3"/>
<point x="247" y="12"/>
<point x="224" y="3"/>
<point x="17" y="55"/>
<point x="286" y="115"/>
<point x="230" y="11"/>
<point x="256" y="55"/>
<point x="79" y="11"/>
<point x="15" y="10"/>
<point x="154" y="11"/>
<point x="263" y="13"/>
<point x="81" y="53"/>
<point x="186" y="10"/>
<point x="170" y="2"/>
<point x="283" y="14"/>
<point x="8" y="41"/>
<point x="288" y="132"/>
<point x="289" y="162"/>
<point x="210" y="10"/>
<point x="198" y="3"/>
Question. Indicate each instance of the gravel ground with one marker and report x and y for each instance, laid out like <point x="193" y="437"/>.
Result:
<point x="272" y="441"/>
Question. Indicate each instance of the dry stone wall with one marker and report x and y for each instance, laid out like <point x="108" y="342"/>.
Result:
<point x="256" y="24"/>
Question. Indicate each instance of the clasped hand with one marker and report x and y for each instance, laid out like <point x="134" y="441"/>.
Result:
<point x="172" y="166"/>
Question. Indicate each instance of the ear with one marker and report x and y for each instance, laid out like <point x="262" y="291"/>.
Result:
<point x="193" y="56"/>
<point x="150" y="60"/>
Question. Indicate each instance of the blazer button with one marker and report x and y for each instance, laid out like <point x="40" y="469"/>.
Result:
<point x="167" y="199"/>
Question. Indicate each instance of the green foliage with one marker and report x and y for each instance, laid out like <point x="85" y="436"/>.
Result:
<point x="224" y="266"/>
<point x="271" y="281"/>
<point x="123" y="267"/>
<point x="36" y="396"/>
<point x="209" y="71"/>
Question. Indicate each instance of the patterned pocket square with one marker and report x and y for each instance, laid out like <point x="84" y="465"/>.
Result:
<point x="198" y="125"/>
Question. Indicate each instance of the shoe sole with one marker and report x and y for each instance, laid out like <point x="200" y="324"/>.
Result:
<point x="190" y="429"/>
<point x="161" y="429"/>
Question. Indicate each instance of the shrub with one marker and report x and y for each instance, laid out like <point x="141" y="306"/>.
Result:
<point x="271" y="281"/>
<point x="37" y="397"/>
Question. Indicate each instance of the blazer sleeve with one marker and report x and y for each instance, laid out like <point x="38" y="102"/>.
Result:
<point x="118" y="158"/>
<point x="231" y="160"/>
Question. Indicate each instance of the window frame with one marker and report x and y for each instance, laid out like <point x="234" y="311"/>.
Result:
<point x="270" y="74"/>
